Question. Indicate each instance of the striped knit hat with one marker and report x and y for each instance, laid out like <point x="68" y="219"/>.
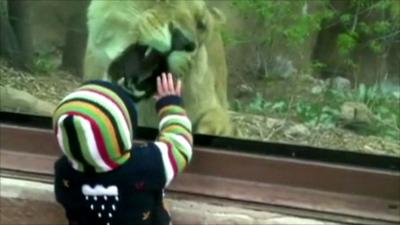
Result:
<point x="94" y="126"/>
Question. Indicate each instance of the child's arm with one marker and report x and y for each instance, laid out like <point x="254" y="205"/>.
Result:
<point x="175" y="138"/>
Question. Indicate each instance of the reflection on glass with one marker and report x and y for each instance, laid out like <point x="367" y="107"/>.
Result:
<point x="321" y="73"/>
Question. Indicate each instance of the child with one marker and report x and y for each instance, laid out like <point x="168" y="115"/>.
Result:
<point x="102" y="179"/>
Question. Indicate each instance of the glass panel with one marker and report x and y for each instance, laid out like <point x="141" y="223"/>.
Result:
<point x="320" y="73"/>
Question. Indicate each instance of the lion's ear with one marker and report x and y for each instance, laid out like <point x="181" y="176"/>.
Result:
<point x="218" y="16"/>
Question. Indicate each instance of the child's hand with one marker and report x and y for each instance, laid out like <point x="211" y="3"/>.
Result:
<point x="165" y="86"/>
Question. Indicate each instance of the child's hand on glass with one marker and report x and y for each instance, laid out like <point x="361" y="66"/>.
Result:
<point x="165" y="86"/>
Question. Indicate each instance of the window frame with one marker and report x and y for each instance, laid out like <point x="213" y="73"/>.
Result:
<point x="303" y="183"/>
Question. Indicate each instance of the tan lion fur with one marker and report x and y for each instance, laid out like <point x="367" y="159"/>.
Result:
<point x="114" y="25"/>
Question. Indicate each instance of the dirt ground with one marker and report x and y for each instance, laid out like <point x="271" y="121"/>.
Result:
<point x="31" y="202"/>
<point x="15" y="211"/>
<point x="53" y="86"/>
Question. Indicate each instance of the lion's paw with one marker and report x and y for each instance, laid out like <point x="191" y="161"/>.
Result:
<point x="214" y="122"/>
<point x="155" y="32"/>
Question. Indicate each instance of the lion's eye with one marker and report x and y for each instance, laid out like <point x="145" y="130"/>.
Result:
<point x="201" y="25"/>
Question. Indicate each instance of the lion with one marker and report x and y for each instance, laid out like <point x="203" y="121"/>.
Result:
<point x="131" y="42"/>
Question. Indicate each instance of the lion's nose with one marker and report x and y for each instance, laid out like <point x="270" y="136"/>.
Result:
<point x="189" y="46"/>
<point x="180" y="42"/>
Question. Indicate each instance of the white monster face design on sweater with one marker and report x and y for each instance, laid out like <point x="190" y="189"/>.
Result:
<point x="102" y="200"/>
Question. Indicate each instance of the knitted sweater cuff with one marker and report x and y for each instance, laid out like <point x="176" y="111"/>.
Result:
<point x="168" y="100"/>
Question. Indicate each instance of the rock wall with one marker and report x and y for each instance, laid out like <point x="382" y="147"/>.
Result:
<point x="247" y="61"/>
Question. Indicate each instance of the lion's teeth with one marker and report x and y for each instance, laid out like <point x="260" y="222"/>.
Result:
<point x="148" y="51"/>
<point x="121" y="81"/>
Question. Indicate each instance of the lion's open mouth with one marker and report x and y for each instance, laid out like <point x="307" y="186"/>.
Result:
<point x="137" y="68"/>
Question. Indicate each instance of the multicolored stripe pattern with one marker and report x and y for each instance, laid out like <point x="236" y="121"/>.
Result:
<point x="175" y="140"/>
<point x="94" y="126"/>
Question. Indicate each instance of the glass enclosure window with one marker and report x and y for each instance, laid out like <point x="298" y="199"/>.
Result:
<point x="322" y="73"/>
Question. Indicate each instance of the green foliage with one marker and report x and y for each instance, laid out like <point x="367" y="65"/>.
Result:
<point x="259" y="105"/>
<point x="44" y="62"/>
<point x="314" y="114"/>
<point x="372" y="96"/>
<point x="346" y="42"/>
<point x="317" y="65"/>
<point x="308" y="112"/>
<point x="376" y="47"/>
<point x="368" y="23"/>
<point x="290" y="20"/>
<point x="364" y="24"/>
<point x="381" y="27"/>
<point x="233" y="39"/>
<point x="373" y="24"/>
<point x="395" y="11"/>
<point x="384" y="106"/>
<point x="43" y="66"/>
<point x="326" y="114"/>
